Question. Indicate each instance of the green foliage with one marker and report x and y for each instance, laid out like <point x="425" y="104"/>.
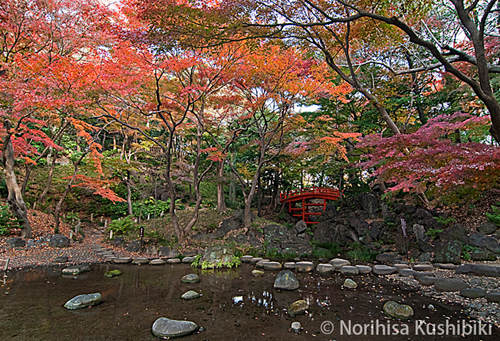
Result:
<point x="445" y="221"/>
<point x="123" y="226"/>
<point x="433" y="233"/>
<point x="7" y="220"/>
<point x="196" y="261"/>
<point x="466" y="250"/>
<point x="288" y="256"/>
<point x="321" y="253"/>
<point x="362" y="254"/>
<point x="334" y="248"/>
<point x="271" y="252"/>
<point x="494" y="217"/>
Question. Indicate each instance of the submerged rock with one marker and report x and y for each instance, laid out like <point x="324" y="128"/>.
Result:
<point x="349" y="283"/>
<point x="190" y="278"/>
<point x="166" y="328"/>
<point x="113" y="273"/>
<point x="75" y="270"/>
<point x="190" y="295"/>
<point x="286" y="280"/>
<point x="297" y="308"/>
<point x="257" y="273"/>
<point x="399" y="311"/>
<point x="83" y="301"/>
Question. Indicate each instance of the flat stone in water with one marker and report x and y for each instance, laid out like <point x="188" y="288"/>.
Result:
<point x="364" y="269"/>
<point x="75" y="270"/>
<point x="399" y="311"/>
<point x="190" y="295"/>
<point x="286" y="280"/>
<point x="173" y="260"/>
<point x="493" y="297"/>
<point x="257" y="273"/>
<point x="83" y="301"/>
<point x="339" y="262"/>
<point x="246" y="258"/>
<point x="324" y="268"/>
<point x="157" y="262"/>
<point x="349" y="283"/>
<point x="166" y="328"/>
<point x="384" y="270"/>
<point x="113" y="273"/>
<point x="140" y="261"/>
<point x="450" y="284"/>
<point x="188" y="260"/>
<point x="349" y="270"/>
<point x="124" y="260"/>
<point x="272" y="266"/>
<point x="304" y="266"/>
<point x="423" y="267"/>
<point x="473" y="292"/>
<point x="190" y="278"/>
<point x="61" y="259"/>
<point x="297" y="308"/>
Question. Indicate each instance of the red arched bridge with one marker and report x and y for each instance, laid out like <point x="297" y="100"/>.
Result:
<point x="303" y="197"/>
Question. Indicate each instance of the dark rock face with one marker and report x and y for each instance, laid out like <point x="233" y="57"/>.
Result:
<point x="448" y="252"/>
<point x="118" y="241"/>
<point x="59" y="240"/>
<point x="134" y="246"/>
<point x="370" y="204"/>
<point x="227" y="225"/>
<point x="479" y="270"/>
<point x="486" y="242"/>
<point x="15" y="242"/>
<point x="455" y="232"/>
<point x="482" y="255"/>
<point x="285" y="241"/>
<point x="165" y="251"/>
<point x="487" y="228"/>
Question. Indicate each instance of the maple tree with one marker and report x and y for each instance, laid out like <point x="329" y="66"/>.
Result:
<point x="446" y="155"/>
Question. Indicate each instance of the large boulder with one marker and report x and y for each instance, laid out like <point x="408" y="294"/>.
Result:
<point x="479" y="270"/>
<point x="448" y="252"/>
<point x="167" y="328"/>
<point x="59" y="240"/>
<point x="486" y="242"/>
<point x="487" y="228"/>
<point x="217" y="256"/>
<point x="16" y="242"/>
<point x="370" y="204"/>
<point x="285" y="241"/>
<point x="456" y="232"/>
<point x="227" y="225"/>
<point x="134" y="246"/>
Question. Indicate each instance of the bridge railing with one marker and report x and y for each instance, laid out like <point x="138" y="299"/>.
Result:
<point x="310" y="191"/>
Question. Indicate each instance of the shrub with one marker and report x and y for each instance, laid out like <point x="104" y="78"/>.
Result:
<point x="122" y="226"/>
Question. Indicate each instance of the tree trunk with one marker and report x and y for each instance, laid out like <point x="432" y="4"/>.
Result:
<point x="221" y="204"/>
<point x="129" y="195"/>
<point x="49" y="179"/>
<point x="14" y="198"/>
<point x="259" y="197"/>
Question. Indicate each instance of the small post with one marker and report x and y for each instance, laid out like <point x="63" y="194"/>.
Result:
<point x="77" y="228"/>
<point x="405" y="237"/>
<point x="91" y="217"/>
<point x="141" y="234"/>
<point x="111" y="234"/>
<point x="71" y="235"/>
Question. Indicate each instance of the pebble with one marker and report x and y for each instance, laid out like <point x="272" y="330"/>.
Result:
<point x="296" y="327"/>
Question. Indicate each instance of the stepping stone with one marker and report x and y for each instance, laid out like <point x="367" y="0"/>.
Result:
<point x="190" y="295"/>
<point x="124" y="260"/>
<point x="385" y="258"/>
<point x="272" y="266"/>
<point x="401" y="266"/>
<point x="140" y="261"/>
<point x="339" y="262"/>
<point x="109" y="258"/>
<point x="364" y="269"/>
<point x="286" y="280"/>
<point x="246" y="259"/>
<point x="349" y="270"/>
<point x="349" y="283"/>
<point x="297" y="308"/>
<point x="473" y="293"/>
<point x="113" y="273"/>
<point x="427" y="281"/>
<point x="257" y="273"/>
<point x="188" y="260"/>
<point x="190" y="278"/>
<point x="75" y="270"/>
<point x="399" y="311"/>
<point x="173" y="260"/>
<point x="157" y="262"/>
<point x="105" y="253"/>
<point x="289" y="265"/>
<point x="493" y="297"/>
<point x="324" y="268"/>
<point x="479" y="270"/>
<point x="417" y="274"/>
<point x="423" y="267"/>
<point x="255" y="260"/>
<point x="304" y="266"/>
<point x="445" y="266"/>
<point x="260" y="264"/>
<point x="384" y="270"/>
<point x="167" y="328"/>
<point x="450" y="284"/>
<point x="83" y="301"/>
<point x="406" y="272"/>
<point x="61" y="259"/>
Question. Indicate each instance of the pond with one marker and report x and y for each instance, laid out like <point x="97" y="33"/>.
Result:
<point x="234" y="306"/>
